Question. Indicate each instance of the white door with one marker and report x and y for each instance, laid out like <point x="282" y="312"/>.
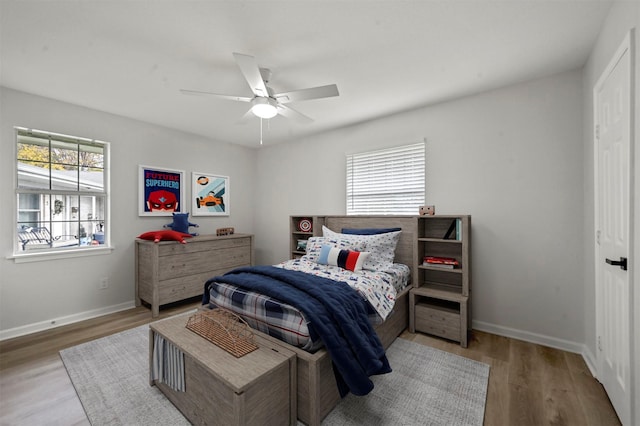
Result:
<point x="612" y="97"/>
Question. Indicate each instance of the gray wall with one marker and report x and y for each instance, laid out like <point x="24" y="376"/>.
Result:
<point x="623" y="16"/>
<point x="512" y="158"/>
<point x="34" y="294"/>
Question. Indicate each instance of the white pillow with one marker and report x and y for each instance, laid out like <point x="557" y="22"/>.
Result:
<point x="381" y="246"/>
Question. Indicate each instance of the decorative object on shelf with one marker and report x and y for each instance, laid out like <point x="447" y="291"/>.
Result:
<point x="302" y="245"/>
<point x="157" y="236"/>
<point x="225" y="231"/>
<point x="305" y="225"/>
<point x="427" y="210"/>
<point x="181" y="224"/>
<point x="456" y="225"/>
<point x="224" y="329"/>
<point x="161" y="191"/>
<point x="441" y="262"/>
<point x="301" y="229"/>
<point x="210" y="194"/>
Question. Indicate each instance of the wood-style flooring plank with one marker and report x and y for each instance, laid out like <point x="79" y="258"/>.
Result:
<point x="561" y="404"/>
<point x="526" y="405"/>
<point x="498" y="396"/>
<point x="39" y="393"/>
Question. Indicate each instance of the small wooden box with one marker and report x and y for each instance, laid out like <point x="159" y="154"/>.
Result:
<point x="256" y="389"/>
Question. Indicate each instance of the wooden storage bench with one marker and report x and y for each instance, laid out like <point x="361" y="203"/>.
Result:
<point x="168" y="271"/>
<point x="220" y="389"/>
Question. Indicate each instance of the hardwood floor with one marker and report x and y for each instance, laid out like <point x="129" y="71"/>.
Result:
<point x="528" y="384"/>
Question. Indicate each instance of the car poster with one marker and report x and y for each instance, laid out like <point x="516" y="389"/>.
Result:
<point x="210" y="194"/>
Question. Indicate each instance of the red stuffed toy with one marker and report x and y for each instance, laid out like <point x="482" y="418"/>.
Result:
<point x="164" y="235"/>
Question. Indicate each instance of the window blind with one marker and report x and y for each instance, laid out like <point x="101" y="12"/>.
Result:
<point x="387" y="181"/>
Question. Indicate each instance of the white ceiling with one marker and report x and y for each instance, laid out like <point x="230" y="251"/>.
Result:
<point x="131" y="57"/>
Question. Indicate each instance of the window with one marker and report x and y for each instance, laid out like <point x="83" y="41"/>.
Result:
<point x="388" y="181"/>
<point x="61" y="192"/>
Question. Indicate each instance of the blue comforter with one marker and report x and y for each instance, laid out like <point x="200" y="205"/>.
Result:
<point x="336" y="313"/>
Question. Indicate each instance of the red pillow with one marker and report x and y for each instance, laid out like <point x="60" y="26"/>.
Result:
<point x="165" y="235"/>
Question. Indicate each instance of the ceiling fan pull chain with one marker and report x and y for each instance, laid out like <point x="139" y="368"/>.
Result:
<point x="261" y="131"/>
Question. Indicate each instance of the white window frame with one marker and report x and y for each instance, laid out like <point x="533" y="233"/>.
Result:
<point x="54" y="252"/>
<point x="387" y="181"/>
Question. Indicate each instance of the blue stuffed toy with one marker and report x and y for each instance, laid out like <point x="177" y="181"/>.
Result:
<point x="181" y="223"/>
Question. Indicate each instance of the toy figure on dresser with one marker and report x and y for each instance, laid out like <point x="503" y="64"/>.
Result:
<point x="181" y="223"/>
<point x="225" y="231"/>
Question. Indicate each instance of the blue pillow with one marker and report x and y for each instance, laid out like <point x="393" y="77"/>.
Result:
<point x="369" y="231"/>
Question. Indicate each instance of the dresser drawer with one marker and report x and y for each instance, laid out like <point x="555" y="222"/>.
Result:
<point x="184" y="264"/>
<point x="204" y="243"/>
<point x="438" y="320"/>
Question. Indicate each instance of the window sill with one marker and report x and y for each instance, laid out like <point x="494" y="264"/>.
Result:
<point x="59" y="254"/>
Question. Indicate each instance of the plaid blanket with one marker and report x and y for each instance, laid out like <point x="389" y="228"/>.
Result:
<point x="265" y="314"/>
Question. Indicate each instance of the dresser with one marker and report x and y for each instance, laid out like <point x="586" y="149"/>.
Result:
<point x="168" y="271"/>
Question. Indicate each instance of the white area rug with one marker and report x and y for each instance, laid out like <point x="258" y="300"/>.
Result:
<point x="427" y="386"/>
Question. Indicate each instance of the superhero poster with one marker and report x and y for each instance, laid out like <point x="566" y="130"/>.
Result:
<point x="161" y="192"/>
<point x="210" y="194"/>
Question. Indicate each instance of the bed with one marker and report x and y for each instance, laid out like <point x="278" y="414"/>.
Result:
<point x="317" y="388"/>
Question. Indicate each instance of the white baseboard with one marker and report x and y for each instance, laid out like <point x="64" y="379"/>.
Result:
<point x="57" y="322"/>
<point x="540" y="339"/>
<point x="590" y="360"/>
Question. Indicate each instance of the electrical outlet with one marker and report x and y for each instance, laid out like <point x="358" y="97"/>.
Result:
<point x="104" y="283"/>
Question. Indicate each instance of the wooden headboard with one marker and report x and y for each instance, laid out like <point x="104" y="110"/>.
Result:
<point x="407" y="245"/>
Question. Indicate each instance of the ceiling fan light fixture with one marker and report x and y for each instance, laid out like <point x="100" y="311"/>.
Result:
<point x="264" y="107"/>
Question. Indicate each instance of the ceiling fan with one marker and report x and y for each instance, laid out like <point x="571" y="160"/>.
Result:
<point x="265" y="103"/>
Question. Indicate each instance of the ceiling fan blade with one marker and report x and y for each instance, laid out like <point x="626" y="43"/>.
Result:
<point x="227" y="97"/>
<point x="251" y="71"/>
<point x="248" y="116"/>
<point x="293" y="114"/>
<point x="306" y="94"/>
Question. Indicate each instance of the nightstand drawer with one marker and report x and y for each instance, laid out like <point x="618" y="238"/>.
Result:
<point x="437" y="320"/>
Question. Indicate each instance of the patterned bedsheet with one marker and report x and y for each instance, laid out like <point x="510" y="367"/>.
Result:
<point x="287" y="323"/>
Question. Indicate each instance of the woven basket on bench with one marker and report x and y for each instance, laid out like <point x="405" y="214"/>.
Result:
<point x="225" y="329"/>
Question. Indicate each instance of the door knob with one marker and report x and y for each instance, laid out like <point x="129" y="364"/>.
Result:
<point x="622" y="263"/>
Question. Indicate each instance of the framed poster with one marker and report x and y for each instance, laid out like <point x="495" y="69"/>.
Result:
<point x="161" y="191"/>
<point x="210" y="194"/>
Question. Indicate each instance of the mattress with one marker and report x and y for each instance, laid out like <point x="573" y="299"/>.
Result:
<point x="287" y="323"/>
